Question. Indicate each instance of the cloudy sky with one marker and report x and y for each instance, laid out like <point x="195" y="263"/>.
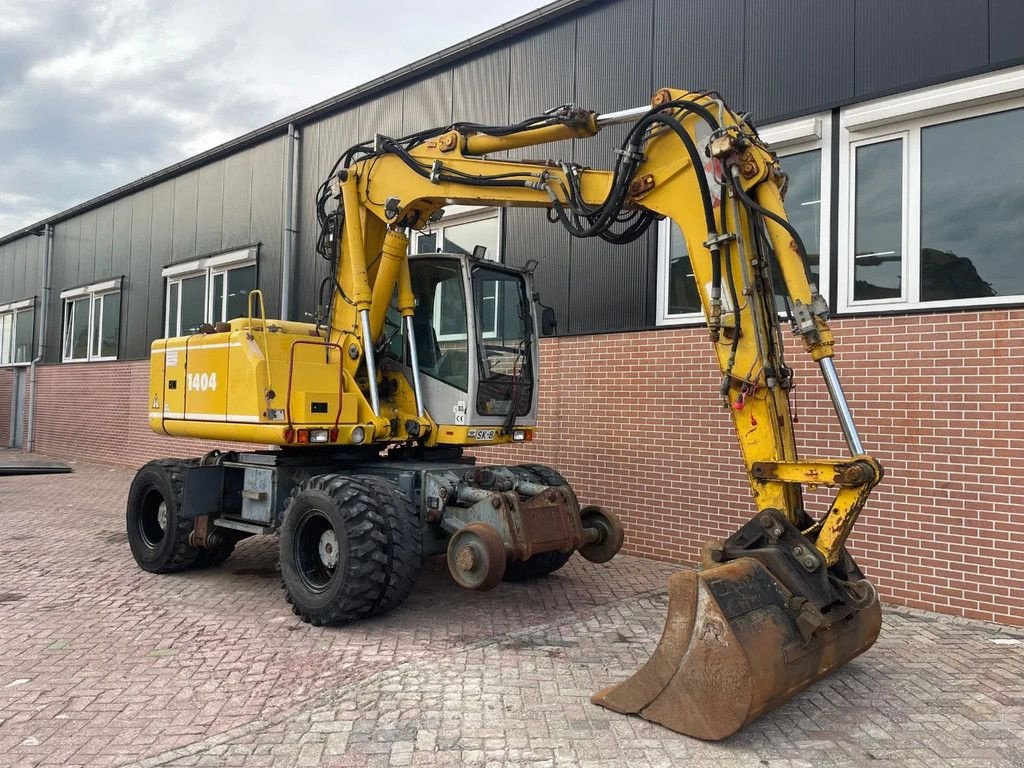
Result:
<point x="96" y="94"/>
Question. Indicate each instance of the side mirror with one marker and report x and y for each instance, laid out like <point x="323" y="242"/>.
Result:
<point x="548" y="323"/>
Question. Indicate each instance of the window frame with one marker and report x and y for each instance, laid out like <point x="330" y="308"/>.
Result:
<point x="208" y="268"/>
<point x="464" y="214"/>
<point x="91" y="294"/>
<point x="906" y="115"/>
<point x="14" y="309"/>
<point x="790" y="137"/>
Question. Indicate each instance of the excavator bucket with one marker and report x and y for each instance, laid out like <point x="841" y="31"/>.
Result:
<point x="737" y="643"/>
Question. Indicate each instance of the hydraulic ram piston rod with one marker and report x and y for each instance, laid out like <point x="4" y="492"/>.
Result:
<point x="835" y="391"/>
<point x="622" y="116"/>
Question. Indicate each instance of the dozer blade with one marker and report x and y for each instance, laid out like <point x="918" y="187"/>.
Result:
<point x="732" y="649"/>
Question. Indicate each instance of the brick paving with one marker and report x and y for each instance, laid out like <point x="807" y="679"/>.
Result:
<point x="103" y="664"/>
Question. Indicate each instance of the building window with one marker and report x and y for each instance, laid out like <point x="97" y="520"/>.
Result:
<point x="214" y="289"/>
<point x="17" y="323"/>
<point x="92" y="322"/>
<point x="462" y="230"/>
<point x="803" y="147"/>
<point x="933" y="184"/>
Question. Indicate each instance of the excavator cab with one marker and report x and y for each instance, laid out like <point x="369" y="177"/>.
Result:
<point x="475" y="333"/>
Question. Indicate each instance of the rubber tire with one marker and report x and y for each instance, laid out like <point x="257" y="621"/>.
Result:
<point x="543" y="474"/>
<point x="173" y="553"/>
<point x="360" y="582"/>
<point x="543" y="563"/>
<point x="210" y="558"/>
<point x="405" y="542"/>
<point x="534" y="567"/>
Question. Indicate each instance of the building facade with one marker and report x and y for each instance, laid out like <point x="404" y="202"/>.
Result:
<point x="900" y="123"/>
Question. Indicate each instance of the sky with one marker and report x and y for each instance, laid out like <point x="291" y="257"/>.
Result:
<point x="96" y="94"/>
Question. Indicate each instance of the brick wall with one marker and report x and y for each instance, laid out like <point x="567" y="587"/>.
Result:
<point x="6" y="387"/>
<point x="633" y="420"/>
<point x="98" y="412"/>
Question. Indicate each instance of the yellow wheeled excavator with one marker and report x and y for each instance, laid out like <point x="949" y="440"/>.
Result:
<point x="416" y="357"/>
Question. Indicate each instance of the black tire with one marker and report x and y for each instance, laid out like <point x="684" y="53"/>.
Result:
<point x="405" y="543"/>
<point x="543" y="563"/>
<point x="534" y="567"/>
<point x="544" y="475"/>
<point x="159" y="539"/>
<point x="324" y="511"/>
<point x="214" y="556"/>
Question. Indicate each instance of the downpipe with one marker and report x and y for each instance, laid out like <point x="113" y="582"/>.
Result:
<point x="290" y="235"/>
<point x="44" y="306"/>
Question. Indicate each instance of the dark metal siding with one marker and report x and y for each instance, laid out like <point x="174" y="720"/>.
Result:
<point x="428" y="103"/>
<point x="186" y="192"/>
<point x="120" y="264"/>
<point x="608" y="283"/>
<point x="14" y="274"/>
<point x="105" y="240"/>
<point x="798" y="56"/>
<point x="135" y="296"/>
<point x="8" y="259"/>
<point x="210" y="208"/>
<point x="322" y="144"/>
<point x="161" y="236"/>
<point x="901" y="43"/>
<point x="688" y="50"/>
<point x="533" y="89"/>
<point x="265" y="217"/>
<point x="1006" y="31"/>
<point x="88" y="262"/>
<point x="380" y="115"/>
<point x="237" y="199"/>
<point x="480" y="89"/>
<point x="8" y="264"/>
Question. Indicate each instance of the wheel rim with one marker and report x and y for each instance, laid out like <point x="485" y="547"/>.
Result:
<point x="611" y="534"/>
<point x="153" y="518"/>
<point x="476" y="557"/>
<point x="317" y="551"/>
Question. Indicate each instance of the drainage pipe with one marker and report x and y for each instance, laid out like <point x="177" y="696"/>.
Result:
<point x="290" y="235"/>
<point x="44" y="308"/>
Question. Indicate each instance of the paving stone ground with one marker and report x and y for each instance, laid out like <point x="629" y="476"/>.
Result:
<point x="102" y="664"/>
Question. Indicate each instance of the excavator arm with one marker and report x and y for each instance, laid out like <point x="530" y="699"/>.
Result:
<point x="780" y="602"/>
<point x="687" y="158"/>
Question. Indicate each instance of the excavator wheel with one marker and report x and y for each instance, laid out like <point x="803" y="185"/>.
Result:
<point x="405" y="542"/>
<point x="157" y="534"/>
<point x="215" y="555"/>
<point x="543" y="563"/>
<point x="334" y="550"/>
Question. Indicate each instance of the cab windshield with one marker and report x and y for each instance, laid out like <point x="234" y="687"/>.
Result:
<point x="504" y="332"/>
<point x="505" y="329"/>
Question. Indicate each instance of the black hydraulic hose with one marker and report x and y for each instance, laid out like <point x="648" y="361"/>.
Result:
<point x="698" y="166"/>
<point x="790" y="229"/>
<point x="733" y="295"/>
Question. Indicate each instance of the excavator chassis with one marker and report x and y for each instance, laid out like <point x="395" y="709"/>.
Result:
<point x="745" y="635"/>
<point x="491" y="522"/>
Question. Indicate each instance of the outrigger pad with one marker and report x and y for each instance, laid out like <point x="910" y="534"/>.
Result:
<point x="731" y="650"/>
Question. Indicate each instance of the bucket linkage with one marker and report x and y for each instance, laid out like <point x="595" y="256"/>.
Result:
<point x="764" y="620"/>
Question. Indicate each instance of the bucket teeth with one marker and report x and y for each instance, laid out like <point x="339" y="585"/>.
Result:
<point x="731" y="650"/>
